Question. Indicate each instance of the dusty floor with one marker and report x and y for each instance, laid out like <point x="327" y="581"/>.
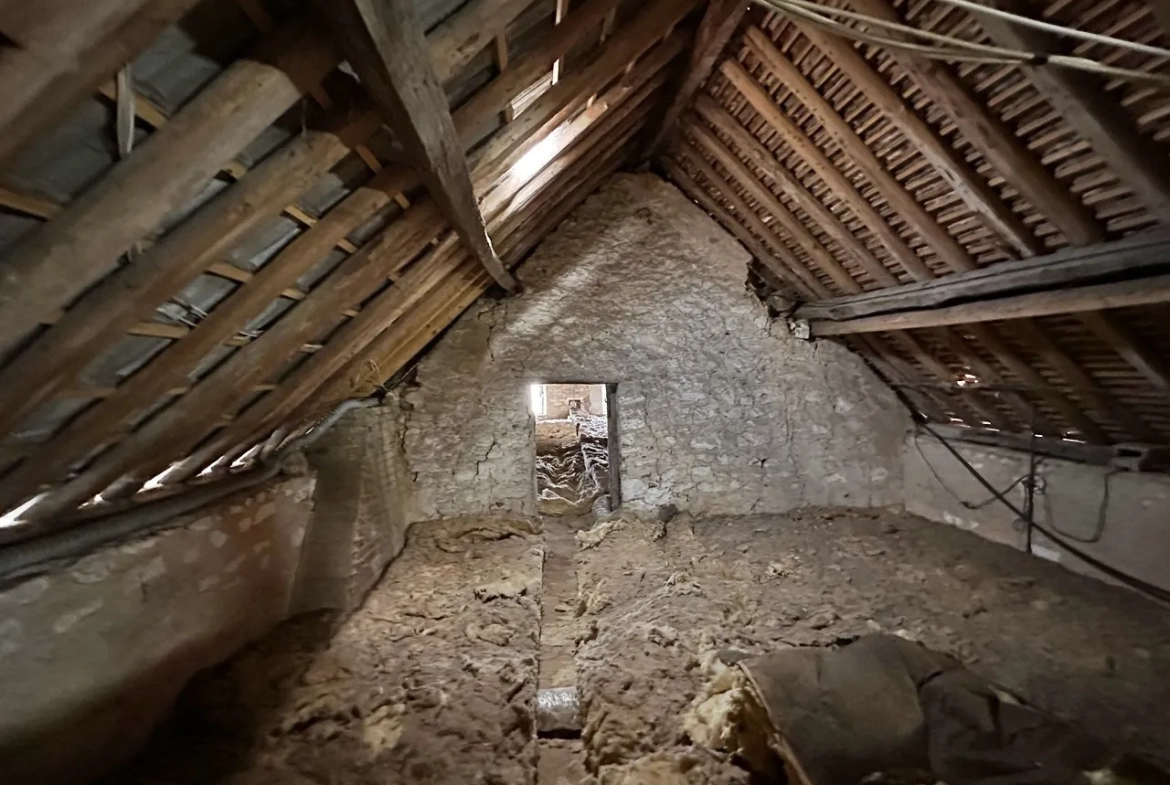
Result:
<point x="434" y="679"/>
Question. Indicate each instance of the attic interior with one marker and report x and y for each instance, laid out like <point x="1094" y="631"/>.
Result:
<point x="574" y="392"/>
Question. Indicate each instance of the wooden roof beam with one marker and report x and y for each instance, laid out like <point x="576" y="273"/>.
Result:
<point x="561" y="101"/>
<point x="1141" y="162"/>
<point x="1154" y="290"/>
<point x="739" y="173"/>
<point x="790" y="267"/>
<point x="785" y="271"/>
<point x="1081" y="382"/>
<point x="1133" y="257"/>
<point x="995" y="141"/>
<point x="60" y="259"/>
<point x="1032" y="378"/>
<point x="748" y="145"/>
<point x="976" y="192"/>
<point x="718" y="24"/>
<point x="131" y="293"/>
<point x="949" y="251"/>
<point x="384" y="42"/>
<point x="825" y="169"/>
<point x="429" y="275"/>
<point x="63" y="51"/>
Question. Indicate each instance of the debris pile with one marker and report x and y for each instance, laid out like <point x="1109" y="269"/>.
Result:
<point x="572" y="463"/>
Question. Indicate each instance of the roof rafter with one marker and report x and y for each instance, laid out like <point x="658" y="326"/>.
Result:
<point x="1142" y="163"/>
<point x="384" y="42"/>
<point x="719" y="22"/>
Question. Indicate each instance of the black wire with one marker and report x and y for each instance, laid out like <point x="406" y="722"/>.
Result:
<point x="995" y="496"/>
<point x="1102" y="516"/>
<point x="1149" y="589"/>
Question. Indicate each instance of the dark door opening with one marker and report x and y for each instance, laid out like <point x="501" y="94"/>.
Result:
<point x="576" y="456"/>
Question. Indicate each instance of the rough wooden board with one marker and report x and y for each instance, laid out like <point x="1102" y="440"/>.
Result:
<point x="49" y="267"/>
<point x="384" y="42"/>
<point x="719" y="23"/>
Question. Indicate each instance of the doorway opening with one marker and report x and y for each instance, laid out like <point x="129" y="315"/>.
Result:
<point x="576" y="448"/>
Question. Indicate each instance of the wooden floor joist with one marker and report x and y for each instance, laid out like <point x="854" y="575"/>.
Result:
<point x="384" y="42"/>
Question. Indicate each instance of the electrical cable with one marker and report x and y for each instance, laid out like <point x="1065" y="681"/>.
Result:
<point x="973" y="506"/>
<point x="1049" y="27"/>
<point x="951" y="49"/>
<point x="1149" y="589"/>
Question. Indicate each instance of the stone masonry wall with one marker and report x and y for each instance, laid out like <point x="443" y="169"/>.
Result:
<point x="719" y="409"/>
<point x="557" y="397"/>
<point x="359" y="522"/>
<point x="93" y="652"/>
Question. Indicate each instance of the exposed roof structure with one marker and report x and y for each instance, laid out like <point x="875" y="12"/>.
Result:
<point x="220" y="218"/>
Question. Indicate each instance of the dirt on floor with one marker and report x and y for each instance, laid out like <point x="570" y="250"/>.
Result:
<point x="434" y="680"/>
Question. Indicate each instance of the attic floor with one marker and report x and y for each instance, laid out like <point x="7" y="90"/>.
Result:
<point x="433" y="680"/>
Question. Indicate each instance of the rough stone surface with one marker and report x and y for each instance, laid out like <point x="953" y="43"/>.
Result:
<point x="359" y="523"/>
<point x="431" y="681"/>
<point x="719" y="409"/>
<point x="659" y="604"/>
<point x="93" y="653"/>
<point x="1117" y="518"/>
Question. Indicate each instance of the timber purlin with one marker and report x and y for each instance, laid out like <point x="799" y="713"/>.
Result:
<point x="979" y="233"/>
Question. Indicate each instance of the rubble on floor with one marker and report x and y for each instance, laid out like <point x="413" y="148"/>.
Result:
<point x="434" y="680"/>
<point x="572" y="463"/>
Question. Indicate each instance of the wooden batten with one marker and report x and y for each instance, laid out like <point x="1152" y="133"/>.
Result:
<point x="132" y="292"/>
<point x="840" y="185"/>
<point x="56" y="262"/>
<point x="66" y="50"/>
<point x="781" y="214"/>
<point x="761" y="157"/>
<point x="1142" y="162"/>
<point x="394" y="303"/>
<point x="976" y="192"/>
<point x="951" y="254"/>
<point x="719" y="22"/>
<point x="980" y="126"/>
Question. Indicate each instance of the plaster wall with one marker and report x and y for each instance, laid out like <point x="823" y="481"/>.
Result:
<point x="719" y="409"/>
<point x="1126" y="512"/>
<point x="94" y="652"/>
<point x="359" y="522"/>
